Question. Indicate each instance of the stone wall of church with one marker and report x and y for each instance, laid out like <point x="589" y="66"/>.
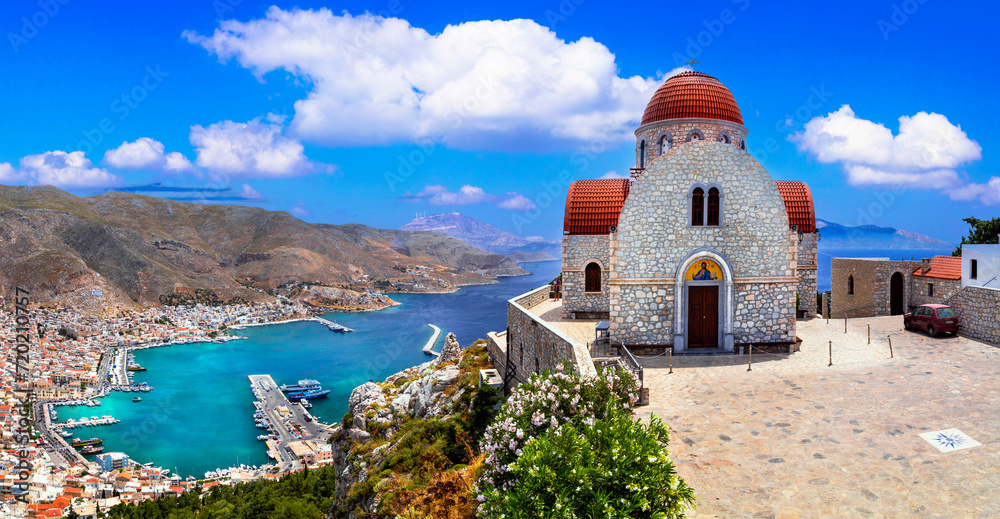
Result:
<point x="764" y="313"/>
<point x="805" y="260"/>
<point x="679" y="130"/>
<point x="578" y="252"/>
<point x="654" y="238"/>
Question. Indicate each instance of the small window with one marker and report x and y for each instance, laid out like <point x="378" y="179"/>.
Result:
<point x="713" y="206"/>
<point x="698" y="207"/>
<point x="537" y="369"/>
<point x="850" y="285"/>
<point x="724" y="138"/>
<point x="592" y="281"/>
<point x="973" y="269"/>
<point x="930" y="289"/>
<point x="743" y="145"/>
<point x="642" y="154"/>
<point x="664" y="144"/>
<point x="695" y="135"/>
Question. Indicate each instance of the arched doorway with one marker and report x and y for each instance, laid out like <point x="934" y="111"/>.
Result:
<point x="704" y="280"/>
<point x="896" y="294"/>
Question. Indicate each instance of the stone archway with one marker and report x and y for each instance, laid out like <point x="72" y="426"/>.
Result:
<point x="896" y="294"/>
<point x="703" y="316"/>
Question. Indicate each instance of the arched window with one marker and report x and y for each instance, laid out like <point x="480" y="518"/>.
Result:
<point x="697" y="207"/>
<point x="695" y="135"/>
<point x="850" y="285"/>
<point x="743" y="145"/>
<point x="713" y="206"/>
<point x="724" y="138"/>
<point x="664" y="144"/>
<point x="642" y="154"/>
<point x="592" y="275"/>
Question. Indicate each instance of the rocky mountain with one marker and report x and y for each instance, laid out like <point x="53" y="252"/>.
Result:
<point x="123" y="251"/>
<point x="837" y="236"/>
<point x="426" y="247"/>
<point x="485" y="236"/>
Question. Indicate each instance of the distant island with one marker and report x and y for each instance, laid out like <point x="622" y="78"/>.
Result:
<point x="837" y="236"/>
<point x="487" y="237"/>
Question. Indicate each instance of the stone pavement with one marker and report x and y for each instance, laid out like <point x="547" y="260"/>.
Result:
<point x="797" y="438"/>
<point x="551" y="311"/>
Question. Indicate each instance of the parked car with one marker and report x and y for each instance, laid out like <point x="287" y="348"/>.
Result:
<point x="933" y="319"/>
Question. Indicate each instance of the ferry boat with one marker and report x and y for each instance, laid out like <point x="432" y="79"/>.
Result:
<point x="77" y="442"/>
<point x="65" y="434"/>
<point x="303" y="385"/>
<point x="137" y="399"/>
<point x="305" y="403"/>
<point x="135" y="367"/>
<point x="92" y="449"/>
<point x="308" y="395"/>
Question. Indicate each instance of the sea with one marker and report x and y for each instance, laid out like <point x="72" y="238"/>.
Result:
<point x="199" y="417"/>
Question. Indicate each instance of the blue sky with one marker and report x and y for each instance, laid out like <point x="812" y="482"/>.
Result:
<point x="371" y="112"/>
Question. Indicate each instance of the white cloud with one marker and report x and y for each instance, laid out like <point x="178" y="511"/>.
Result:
<point x="439" y="195"/>
<point x="611" y="174"/>
<point x="485" y="85"/>
<point x="250" y="193"/>
<point x="517" y="201"/>
<point x="925" y="153"/>
<point x="299" y="210"/>
<point x="62" y="169"/>
<point x="146" y="153"/>
<point x="256" y="149"/>
<point x="10" y="175"/>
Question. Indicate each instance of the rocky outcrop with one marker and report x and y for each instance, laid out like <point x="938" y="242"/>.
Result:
<point x="332" y="298"/>
<point x="451" y="350"/>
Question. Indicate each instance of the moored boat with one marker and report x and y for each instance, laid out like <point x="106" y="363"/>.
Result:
<point x="303" y="385"/>
<point x="308" y="395"/>
<point x="77" y="442"/>
<point x="92" y="449"/>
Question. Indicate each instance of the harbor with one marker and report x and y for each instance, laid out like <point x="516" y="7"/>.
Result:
<point x="286" y="421"/>
<point x="331" y="325"/>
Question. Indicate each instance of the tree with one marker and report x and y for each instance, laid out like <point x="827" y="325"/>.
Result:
<point x="982" y="232"/>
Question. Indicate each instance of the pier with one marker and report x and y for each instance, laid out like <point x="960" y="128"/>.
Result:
<point x="334" y="327"/>
<point x="87" y="422"/>
<point x="429" y="347"/>
<point x="284" y="419"/>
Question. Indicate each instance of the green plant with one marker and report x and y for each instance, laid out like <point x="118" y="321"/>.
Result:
<point x="616" y="468"/>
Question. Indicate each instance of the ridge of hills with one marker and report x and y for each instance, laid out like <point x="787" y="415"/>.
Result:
<point x="134" y="248"/>
<point x="487" y="237"/>
<point x="837" y="236"/>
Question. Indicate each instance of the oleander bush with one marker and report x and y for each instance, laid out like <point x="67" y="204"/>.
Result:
<point x="616" y="468"/>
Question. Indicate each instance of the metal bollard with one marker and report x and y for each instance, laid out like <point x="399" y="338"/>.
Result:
<point x="890" y="345"/>
<point x="749" y="358"/>
<point x="831" y="354"/>
<point x="845" y="325"/>
<point x="869" y="333"/>
<point x="671" y="352"/>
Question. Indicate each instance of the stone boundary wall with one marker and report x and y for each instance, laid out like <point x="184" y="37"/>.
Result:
<point x="578" y="251"/>
<point x="496" y="346"/>
<point x="979" y="309"/>
<point x="872" y="280"/>
<point x="533" y="345"/>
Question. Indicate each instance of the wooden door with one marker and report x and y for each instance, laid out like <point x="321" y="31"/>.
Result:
<point x="703" y="317"/>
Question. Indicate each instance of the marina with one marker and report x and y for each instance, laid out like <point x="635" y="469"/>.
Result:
<point x="285" y="421"/>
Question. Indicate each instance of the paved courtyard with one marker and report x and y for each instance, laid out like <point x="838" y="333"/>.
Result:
<point x="795" y="437"/>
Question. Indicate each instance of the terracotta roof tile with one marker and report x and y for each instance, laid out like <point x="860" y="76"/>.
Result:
<point x="942" y="267"/>
<point x="798" y="204"/>
<point x="692" y="94"/>
<point x="593" y="206"/>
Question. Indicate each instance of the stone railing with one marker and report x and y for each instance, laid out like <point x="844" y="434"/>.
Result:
<point x="979" y="309"/>
<point x="533" y="345"/>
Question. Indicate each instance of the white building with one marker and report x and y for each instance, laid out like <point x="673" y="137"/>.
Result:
<point x="981" y="266"/>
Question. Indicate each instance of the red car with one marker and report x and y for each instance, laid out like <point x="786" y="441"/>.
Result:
<point x="932" y="319"/>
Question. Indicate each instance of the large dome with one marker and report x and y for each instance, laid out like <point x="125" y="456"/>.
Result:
<point x="692" y="95"/>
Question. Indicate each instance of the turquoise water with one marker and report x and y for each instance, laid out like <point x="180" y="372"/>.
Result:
<point x="199" y="417"/>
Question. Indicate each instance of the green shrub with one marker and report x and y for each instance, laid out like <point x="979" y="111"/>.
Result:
<point x="616" y="468"/>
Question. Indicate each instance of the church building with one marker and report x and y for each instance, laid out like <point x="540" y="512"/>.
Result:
<point x="699" y="249"/>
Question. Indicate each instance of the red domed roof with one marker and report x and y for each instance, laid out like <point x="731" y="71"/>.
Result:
<point x="692" y="94"/>
<point x="593" y="206"/>
<point x="798" y="204"/>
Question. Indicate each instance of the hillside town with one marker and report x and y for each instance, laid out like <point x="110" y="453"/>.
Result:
<point x="71" y="358"/>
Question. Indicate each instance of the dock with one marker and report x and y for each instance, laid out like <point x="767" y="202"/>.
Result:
<point x="87" y="422"/>
<point x="429" y="347"/>
<point x="334" y="327"/>
<point x="284" y="420"/>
